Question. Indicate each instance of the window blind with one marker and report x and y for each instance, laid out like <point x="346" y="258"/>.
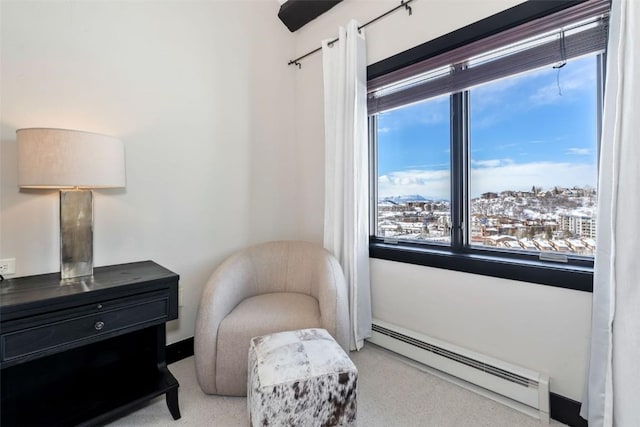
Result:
<point x="548" y="41"/>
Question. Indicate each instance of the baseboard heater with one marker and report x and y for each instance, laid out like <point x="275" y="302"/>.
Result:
<point x="515" y="383"/>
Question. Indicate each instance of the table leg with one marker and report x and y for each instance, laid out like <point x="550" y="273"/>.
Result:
<point x="172" y="403"/>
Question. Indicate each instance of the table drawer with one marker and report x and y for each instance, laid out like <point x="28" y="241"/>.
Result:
<point x="80" y="330"/>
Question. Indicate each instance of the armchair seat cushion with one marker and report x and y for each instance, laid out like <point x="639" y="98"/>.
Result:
<point x="259" y="315"/>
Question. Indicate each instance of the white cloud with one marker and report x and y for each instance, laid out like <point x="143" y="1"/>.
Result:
<point x="492" y="163"/>
<point x="494" y="175"/>
<point x="429" y="166"/>
<point x="424" y="182"/>
<point x="567" y="81"/>
<point x="521" y="176"/>
<point x="579" y="151"/>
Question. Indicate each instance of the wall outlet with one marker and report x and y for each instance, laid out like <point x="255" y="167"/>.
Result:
<point x="180" y="297"/>
<point x="8" y="266"/>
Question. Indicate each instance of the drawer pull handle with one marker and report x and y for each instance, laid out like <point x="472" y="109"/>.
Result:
<point x="99" y="325"/>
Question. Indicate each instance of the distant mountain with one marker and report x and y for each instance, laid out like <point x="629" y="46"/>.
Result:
<point x="406" y="199"/>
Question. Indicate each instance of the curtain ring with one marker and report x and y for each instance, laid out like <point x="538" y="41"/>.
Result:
<point x="406" y="6"/>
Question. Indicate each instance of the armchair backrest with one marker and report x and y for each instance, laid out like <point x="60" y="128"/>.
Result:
<point x="289" y="266"/>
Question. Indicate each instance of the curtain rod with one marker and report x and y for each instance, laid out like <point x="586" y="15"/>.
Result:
<point x="403" y="3"/>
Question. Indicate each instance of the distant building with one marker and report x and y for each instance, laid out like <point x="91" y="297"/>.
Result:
<point x="559" y="245"/>
<point x="589" y="243"/>
<point x="543" y="245"/>
<point x="510" y="244"/>
<point x="499" y="240"/>
<point x="577" y="246"/>
<point x="527" y="245"/>
<point x="390" y="206"/>
<point x="578" y="225"/>
<point x="513" y="219"/>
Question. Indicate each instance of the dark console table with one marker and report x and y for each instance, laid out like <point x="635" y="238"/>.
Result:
<point x="84" y="351"/>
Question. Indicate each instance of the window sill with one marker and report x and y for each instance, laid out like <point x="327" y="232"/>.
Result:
<point x="526" y="269"/>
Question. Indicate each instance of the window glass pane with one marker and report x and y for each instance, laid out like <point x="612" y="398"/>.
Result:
<point x="414" y="165"/>
<point x="533" y="158"/>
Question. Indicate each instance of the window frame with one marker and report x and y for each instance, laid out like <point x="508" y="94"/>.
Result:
<point x="575" y="274"/>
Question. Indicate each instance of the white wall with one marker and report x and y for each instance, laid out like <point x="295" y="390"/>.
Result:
<point x="199" y="92"/>
<point x="535" y="326"/>
<point x="220" y="154"/>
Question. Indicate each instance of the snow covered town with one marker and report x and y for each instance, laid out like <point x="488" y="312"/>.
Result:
<point x="559" y="219"/>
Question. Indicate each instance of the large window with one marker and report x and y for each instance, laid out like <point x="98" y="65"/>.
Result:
<point x="485" y="156"/>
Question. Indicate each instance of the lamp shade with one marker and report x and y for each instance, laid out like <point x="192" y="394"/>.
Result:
<point x="60" y="158"/>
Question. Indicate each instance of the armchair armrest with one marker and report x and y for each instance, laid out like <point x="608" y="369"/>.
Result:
<point x="233" y="281"/>
<point x="333" y="300"/>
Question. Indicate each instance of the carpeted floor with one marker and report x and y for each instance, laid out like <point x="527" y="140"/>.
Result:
<point x="391" y="393"/>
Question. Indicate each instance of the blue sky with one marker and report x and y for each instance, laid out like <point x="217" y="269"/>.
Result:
<point x="535" y="129"/>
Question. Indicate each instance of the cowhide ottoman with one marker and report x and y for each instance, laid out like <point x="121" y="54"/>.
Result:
<point x="300" y="378"/>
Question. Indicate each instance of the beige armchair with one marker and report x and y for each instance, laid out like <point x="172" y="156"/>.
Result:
<point x="267" y="288"/>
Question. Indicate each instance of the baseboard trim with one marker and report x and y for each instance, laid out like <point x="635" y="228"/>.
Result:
<point x="566" y="410"/>
<point x="179" y="350"/>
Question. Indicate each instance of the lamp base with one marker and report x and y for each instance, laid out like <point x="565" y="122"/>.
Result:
<point x="76" y="233"/>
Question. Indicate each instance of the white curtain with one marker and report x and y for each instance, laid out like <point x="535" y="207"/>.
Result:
<point x="346" y="212"/>
<point x="612" y="395"/>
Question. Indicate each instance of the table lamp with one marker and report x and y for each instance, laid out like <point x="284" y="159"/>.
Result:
<point x="74" y="162"/>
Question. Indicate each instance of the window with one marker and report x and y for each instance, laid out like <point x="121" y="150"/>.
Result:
<point x="484" y="157"/>
<point x="414" y="178"/>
